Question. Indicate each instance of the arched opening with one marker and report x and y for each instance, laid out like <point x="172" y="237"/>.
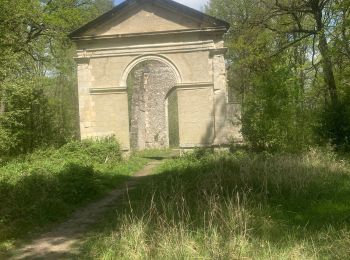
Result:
<point x="153" y="114"/>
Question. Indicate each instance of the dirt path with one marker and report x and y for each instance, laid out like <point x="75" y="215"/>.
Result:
<point x="65" y="240"/>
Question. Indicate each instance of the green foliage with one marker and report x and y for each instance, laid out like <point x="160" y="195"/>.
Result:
<point x="47" y="185"/>
<point x="286" y="68"/>
<point x="38" y="92"/>
<point x="27" y="122"/>
<point x="232" y="206"/>
<point x="102" y="151"/>
<point x="6" y="142"/>
<point x="335" y="124"/>
<point x="274" y="116"/>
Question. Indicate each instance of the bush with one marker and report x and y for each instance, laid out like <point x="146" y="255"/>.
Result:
<point x="98" y="151"/>
<point x="28" y="118"/>
<point x="6" y="144"/>
<point x="335" y="125"/>
<point x="47" y="185"/>
<point x="275" y="117"/>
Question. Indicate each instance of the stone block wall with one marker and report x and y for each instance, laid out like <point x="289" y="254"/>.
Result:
<point x="197" y="78"/>
<point x="196" y="118"/>
<point x="149" y="83"/>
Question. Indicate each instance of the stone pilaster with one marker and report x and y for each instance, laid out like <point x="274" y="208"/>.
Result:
<point x="86" y="110"/>
<point x="220" y="97"/>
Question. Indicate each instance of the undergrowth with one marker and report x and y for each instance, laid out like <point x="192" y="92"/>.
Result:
<point x="233" y="206"/>
<point x="46" y="186"/>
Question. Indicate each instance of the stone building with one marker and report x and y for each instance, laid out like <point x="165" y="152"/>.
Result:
<point x="152" y="73"/>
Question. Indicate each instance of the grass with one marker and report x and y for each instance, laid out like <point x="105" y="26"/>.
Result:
<point x="47" y="186"/>
<point x="232" y="206"/>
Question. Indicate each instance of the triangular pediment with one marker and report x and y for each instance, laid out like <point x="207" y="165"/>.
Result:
<point x="142" y="16"/>
<point x="145" y="18"/>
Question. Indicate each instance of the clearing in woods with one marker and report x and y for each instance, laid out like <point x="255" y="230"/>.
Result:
<point x="215" y="205"/>
<point x="65" y="239"/>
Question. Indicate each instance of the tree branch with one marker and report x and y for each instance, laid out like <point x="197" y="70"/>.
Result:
<point x="290" y="44"/>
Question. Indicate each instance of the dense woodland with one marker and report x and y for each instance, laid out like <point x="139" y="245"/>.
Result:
<point x="38" y="88"/>
<point x="289" y="67"/>
<point x="290" y="63"/>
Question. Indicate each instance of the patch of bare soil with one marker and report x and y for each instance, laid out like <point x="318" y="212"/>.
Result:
<point x="64" y="240"/>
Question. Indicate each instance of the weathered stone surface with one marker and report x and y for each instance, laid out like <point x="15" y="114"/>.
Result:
<point x="149" y="84"/>
<point x="196" y="119"/>
<point x="149" y="17"/>
<point x="161" y="50"/>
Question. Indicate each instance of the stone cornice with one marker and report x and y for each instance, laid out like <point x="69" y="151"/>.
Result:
<point x="147" y="49"/>
<point x="209" y="43"/>
<point x="180" y="86"/>
<point x="145" y="53"/>
<point x="218" y="30"/>
<point x="194" y="85"/>
<point x="103" y="91"/>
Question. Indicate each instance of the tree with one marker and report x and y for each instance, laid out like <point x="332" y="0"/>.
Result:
<point x="309" y="39"/>
<point x="37" y="71"/>
<point x="308" y="18"/>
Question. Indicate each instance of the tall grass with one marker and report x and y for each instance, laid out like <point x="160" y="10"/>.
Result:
<point x="233" y="206"/>
<point x="48" y="185"/>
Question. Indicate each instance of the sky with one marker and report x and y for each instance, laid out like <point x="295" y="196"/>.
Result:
<point x="197" y="4"/>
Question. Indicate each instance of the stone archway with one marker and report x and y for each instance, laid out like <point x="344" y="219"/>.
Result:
<point x="152" y="105"/>
<point x="186" y="47"/>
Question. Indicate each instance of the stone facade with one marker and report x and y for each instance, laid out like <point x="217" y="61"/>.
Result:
<point x="170" y="53"/>
<point x="148" y="88"/>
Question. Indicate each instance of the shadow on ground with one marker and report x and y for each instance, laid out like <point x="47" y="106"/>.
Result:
<point x="282" y="201"/>
<point x="64" y="240"/>
<point x="279" y="200"/>
<point x="40" y="200"/>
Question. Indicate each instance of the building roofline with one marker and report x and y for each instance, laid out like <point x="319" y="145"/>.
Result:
<point x="128" y="4"/>
<point x="145" y="34"/>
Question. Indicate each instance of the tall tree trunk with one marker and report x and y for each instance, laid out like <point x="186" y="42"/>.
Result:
<point x="327" y="65"/>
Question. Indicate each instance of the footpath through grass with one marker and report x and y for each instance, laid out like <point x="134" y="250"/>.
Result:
<point x="232" y="206"/>
<point x="47" y="186"/>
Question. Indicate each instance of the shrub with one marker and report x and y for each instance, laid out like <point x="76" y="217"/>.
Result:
<point x="275" y="117"/>
<point x="47" y="185"/>
<point x="100" y="151"/>
<point x="335" y="124"/>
